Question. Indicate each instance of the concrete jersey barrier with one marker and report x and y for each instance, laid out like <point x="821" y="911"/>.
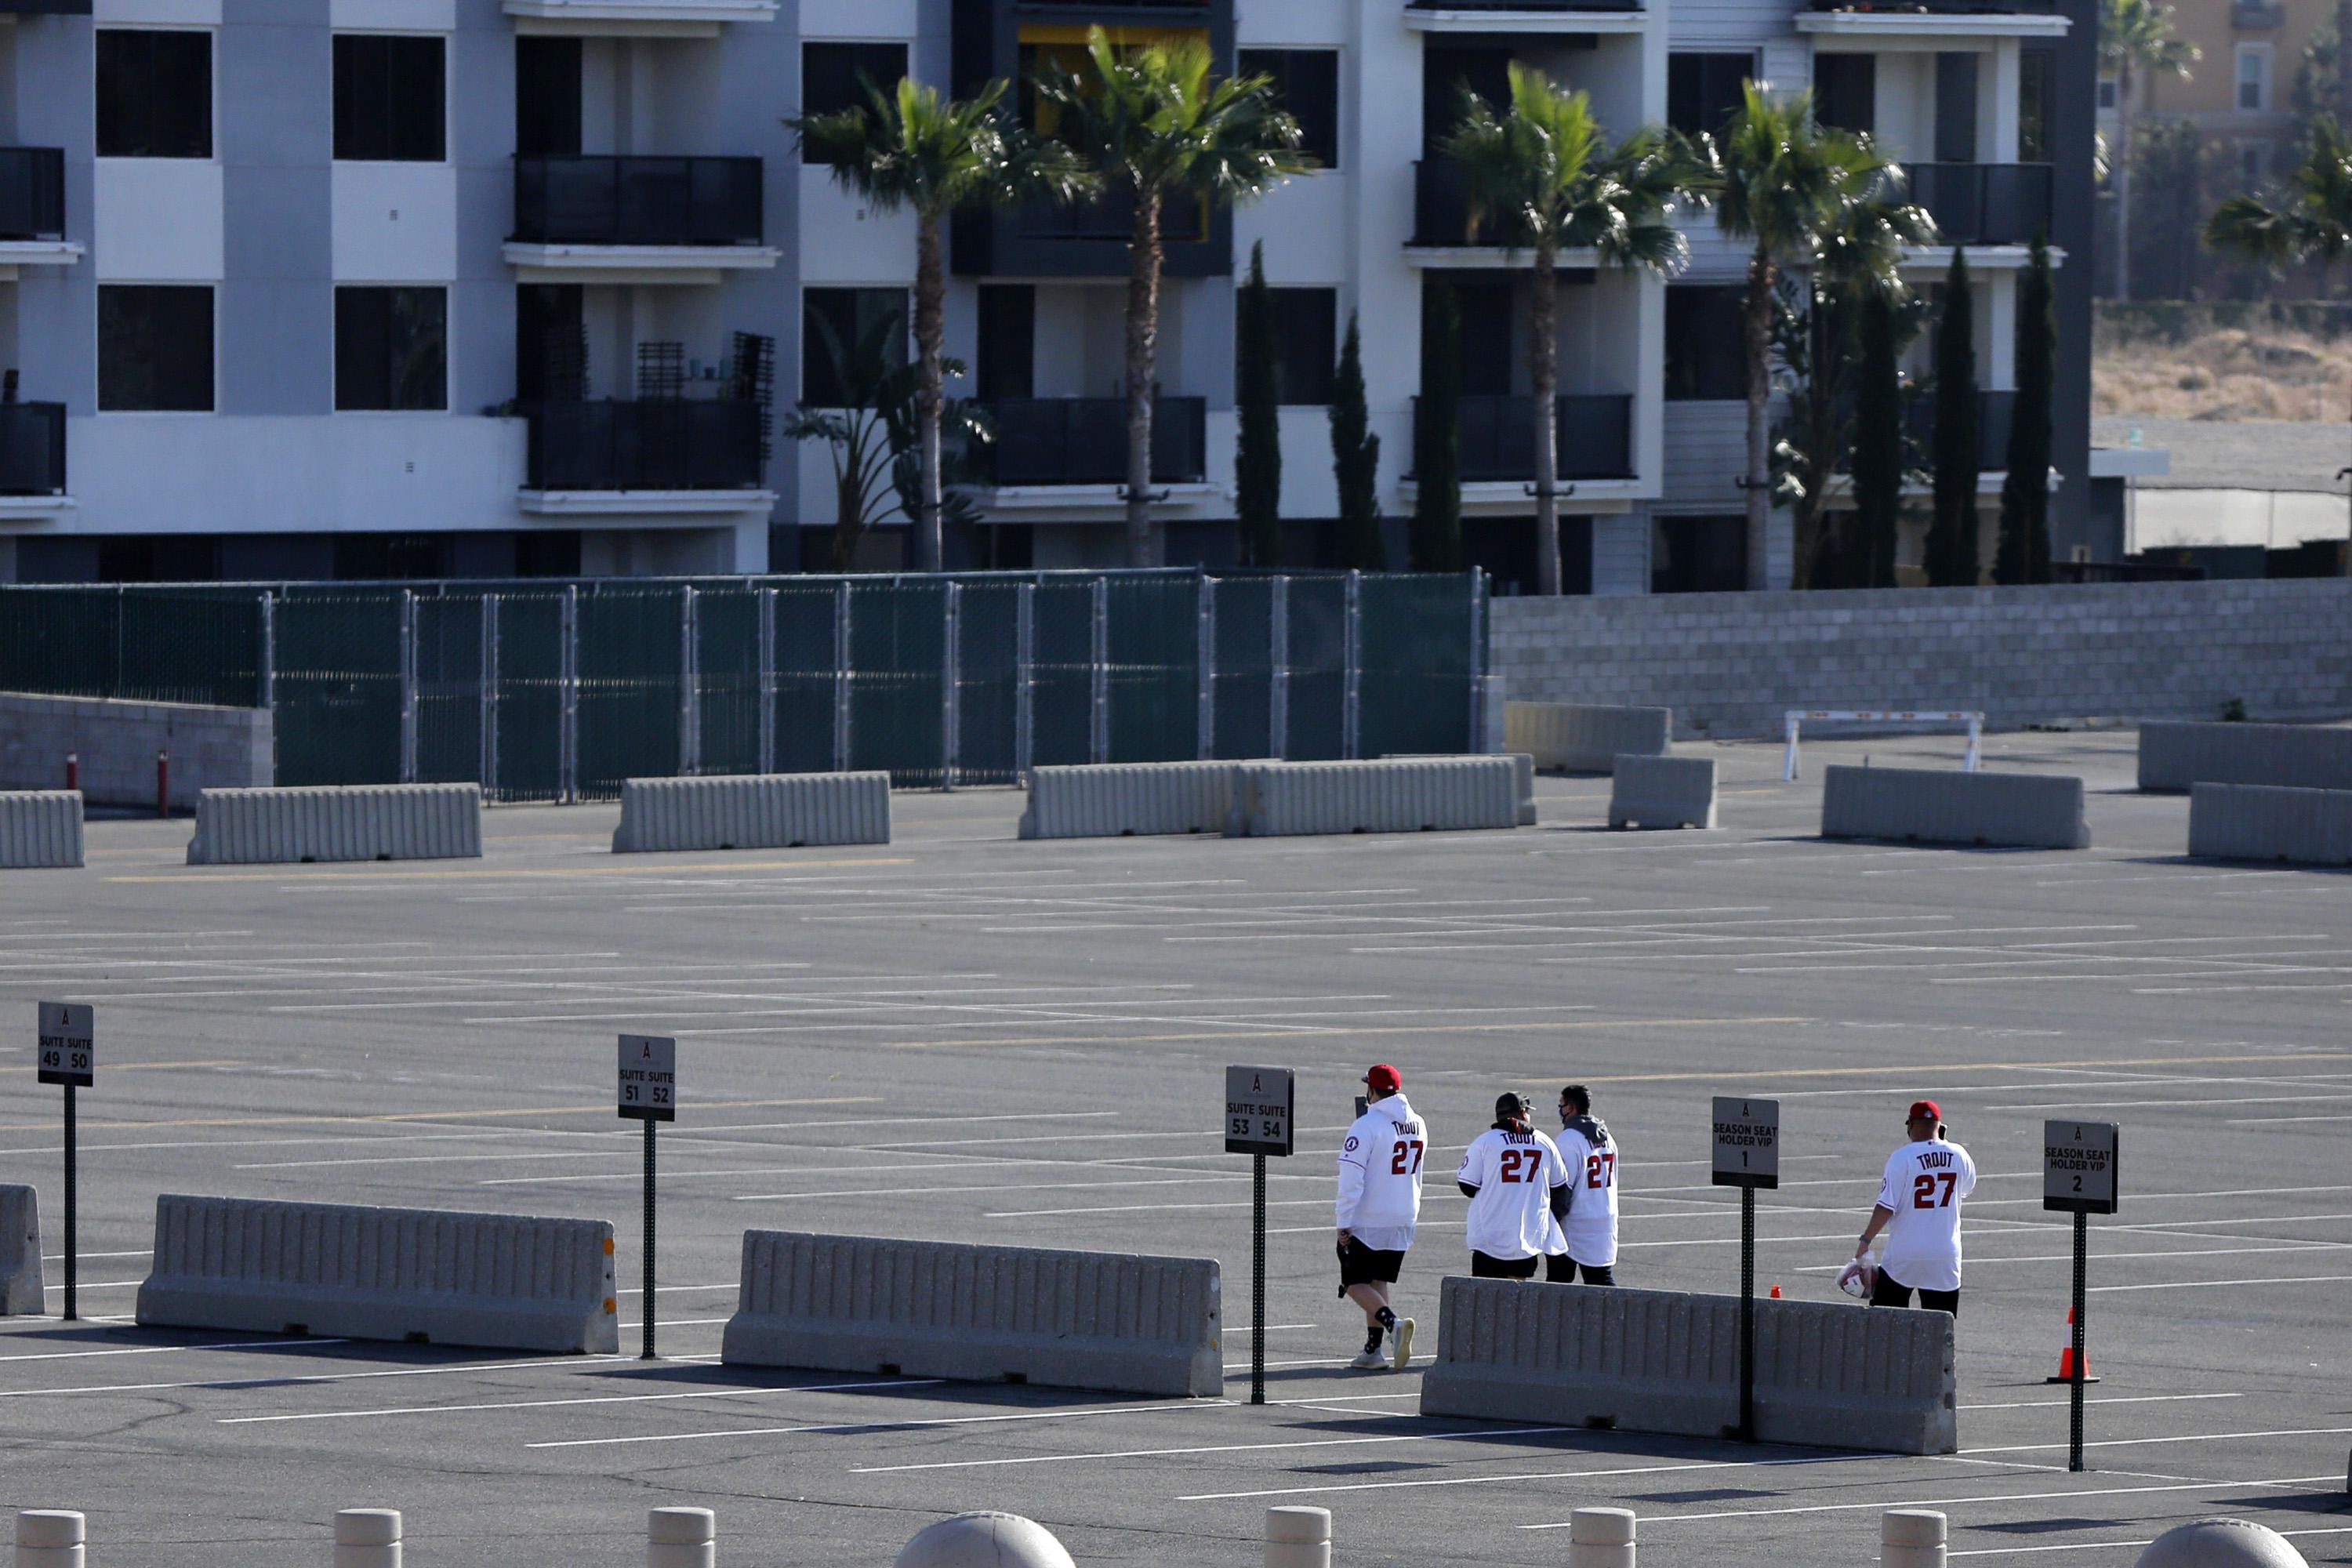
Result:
<point x="1112" y="800"/>
<point x="2262" y="822"/>
<point x="340" y="822"/>
<point x="39" y="827"/>
<point x="1938" y="806"/>
<point x="20" y="1252"/>
<point x="1393" y="795"/>
<point x="1827" y="1375"/>
<point x="1662" y="791"/>
<point x="2175" y="756"/>
<point x="1103" y="1320"/>
<point x="753" y="810"/>
<point x="503" y="1281"/>
<point x="1586" y="737"/>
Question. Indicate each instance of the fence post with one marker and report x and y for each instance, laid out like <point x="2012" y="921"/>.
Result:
<point x="1206" y="659"/>
<point x="1277" y="697"/>
<point x="1099" y="705"/>
<point x="689" y="695"/>
<point x="767" y="680"/>
<point x="408" y="686"/>
<point x="489" y="701"/>
<point x="1478" y="717"/>
<point x="567" y="746"/>
<point x="1025" y="678"/>
<point x="1351" y="658"/>
<point x="951" y="686"/>
<point x="841" y="678"/>
<point x="267" y="681"/>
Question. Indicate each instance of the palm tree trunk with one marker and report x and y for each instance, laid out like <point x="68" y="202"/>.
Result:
<point x="1142" y="370"/>
<point x="1543" y="376"/>
<point x="1758" y="324"/>
<point x="2122" y="156"/>
<point x="930" y="337"/>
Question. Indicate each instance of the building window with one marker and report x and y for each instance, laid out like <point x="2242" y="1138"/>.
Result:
<point x="1703" y="91"/>
<point x="546" y="97"/>
<point x="2255" y="164"/>
<point x="1307" y="84"/>
<point x="1698" y="555"/>
<point x="1845" y="91"/>
<point x="154" y="348"/>
<point x="1008" y="342"/>
<point x="391" y="349"/>
<point x="2035" y="71"/>
<point x="1706" y="356"/>
<point x="1305" y="343"/>
<point x="2109" y="89"/>
<point x="830" y="73"/>
<point x="390" y="106"/>
<point x="2254" y="78"/>
<point x="836" y="324"/>
<point x="155" y="94"/>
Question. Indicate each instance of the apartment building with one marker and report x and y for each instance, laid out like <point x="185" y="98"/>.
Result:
<point x="2242" y="92"/>
<point x="492" y="287"/>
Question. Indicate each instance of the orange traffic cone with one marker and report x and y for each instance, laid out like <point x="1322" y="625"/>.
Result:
<point x="2066" y="1356"/>
<point x="1776" y="1292"/>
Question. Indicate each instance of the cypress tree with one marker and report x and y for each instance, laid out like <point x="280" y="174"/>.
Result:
<point x="1437" y="437"/>
<point x="1876" y="523"/>
<point x="2024" y="554"/>
<point x="1257" y="398"/>
<point x="1356" y="462"/>
<point x="1952" y="532"/>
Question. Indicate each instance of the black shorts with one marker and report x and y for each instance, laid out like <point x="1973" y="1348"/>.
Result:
<point x="1887" y="1291"/>
<point x="1561" y="1269"/>
<point x="1485" y="1267"/>
<point x="1362" y="1265"/>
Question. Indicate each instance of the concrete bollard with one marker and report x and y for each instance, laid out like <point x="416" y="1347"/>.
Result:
<point x="367" y="1538"/>
<point x="48" y="1538"/>
<point x="681" y="1538"/>
<point x="1298" y="1538"/>
<point x="1600" y="1538"/>
<point x="1911" y="1538"/>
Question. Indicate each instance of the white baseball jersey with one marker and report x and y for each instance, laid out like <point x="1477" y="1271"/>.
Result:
<point x="1515" y="1174"/>
<point x="1923" y="1185"/>
<point x="1591" y="1156"/>
<point x="1379" y="1175"/>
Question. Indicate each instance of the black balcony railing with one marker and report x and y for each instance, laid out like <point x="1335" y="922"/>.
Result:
<point x="671" y="444"/>
<point x="32" y="192"/>
<point x="1082" y="441"/>
<point x="606" y="200"/>
<point x="1441" y="206"/>
<point x="1541" y="6"/>
<point x="1593" y="438"/>
<point x="1983" y="204"/>
<point x="45" y="7"/>
<point x="32" y="449"/>
<point x="1936" y="7"/>
<point x="1996" y="412"/>
<point x="1113" y="217"/>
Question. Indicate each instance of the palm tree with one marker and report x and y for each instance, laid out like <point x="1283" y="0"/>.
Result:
<point x="909" y="148"/>
<point x="1158" y="129"/>
<point x="2314" y="222"/>
<point x="1544" y="178"/>
<point x="2135" y="40"/>
<point x="1788" y="183"/>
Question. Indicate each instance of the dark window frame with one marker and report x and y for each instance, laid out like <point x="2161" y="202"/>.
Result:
<point x="389" y="378"/>
<point x="378" y="79"/>
<point x="1845" y="90"/>
<point x="139" y="306"/>
<point x="817" y="373"/>
<point x="1306" y="344"/>
<point x="1707" y="354"/>
<point x="125" y="106"/>
<point x="1306" y="79"/>
<point x="1719" y="571"/>
<point x="1719" y="74"/>
<point x="843" y="61"/>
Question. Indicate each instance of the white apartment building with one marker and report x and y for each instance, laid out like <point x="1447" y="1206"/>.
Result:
<point x="381" y="288"/>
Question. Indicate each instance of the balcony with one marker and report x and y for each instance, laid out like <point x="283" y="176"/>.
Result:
<point x="1044" y="441"/>
<point x="1523" y="15"/>
<point x="1933" y="19"/>
<point x="1112" y="218"/>
<point x="1441" y="211"/>
<point x="634" y="19"/>
<point x="1996" y="412"/>
<point x="32" y="449"/>
<point x="1593" y="439"/>
<point x="2257" y="15"/>
<point x="1983" y="204"/>
<point x="637" y="219"/>
<point x="45" y="7"/>
<point x="682" y="448"/>
<point x="33" y="209"/>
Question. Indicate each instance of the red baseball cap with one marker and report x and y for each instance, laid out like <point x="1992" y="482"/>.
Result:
<point x="1384" y="1078"/>
<point x="1926" y="1110"/>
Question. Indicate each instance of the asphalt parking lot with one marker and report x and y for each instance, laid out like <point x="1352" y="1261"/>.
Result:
<point x="963" y="1036"/>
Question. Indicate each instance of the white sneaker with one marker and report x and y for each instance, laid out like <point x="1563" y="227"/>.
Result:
<point x="1369" y="1361"/>
<point x="1403" y="1335"/>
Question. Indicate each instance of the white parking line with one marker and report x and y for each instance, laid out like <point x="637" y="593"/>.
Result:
<point x="1813" y="1507"/>
<point x="168" y="1349"/>
<point x="585" y="1399"/>
<point x="878" y="1425"/>
<point x="1219" y="1448"/>
<point x="2209" y="1284"/>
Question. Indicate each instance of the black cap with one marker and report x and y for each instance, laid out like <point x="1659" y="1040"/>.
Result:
<point x="1507" y="1106"/>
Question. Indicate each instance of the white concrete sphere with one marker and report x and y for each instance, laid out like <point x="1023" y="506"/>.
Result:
<point x="984" y="1541"/>
<point x="2220" y="1543"/>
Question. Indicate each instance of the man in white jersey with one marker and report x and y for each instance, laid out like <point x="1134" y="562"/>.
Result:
<point x="1919" y="1209"/>
<point x="1586" y="1236"/>
<point x="1380" y="1204"/>
<point x="1511" y="1175"/>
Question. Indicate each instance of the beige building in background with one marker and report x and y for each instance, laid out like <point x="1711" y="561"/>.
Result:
<point x="2243" y="91"/>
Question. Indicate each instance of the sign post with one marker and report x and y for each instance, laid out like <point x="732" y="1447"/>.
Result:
<point x="2079" y="1166"/>
<point x="1258" y="1123"/>
<point x="67" y="1056"/>
<point x="648" y="1094"/>
<point x="1746" y="1156"/>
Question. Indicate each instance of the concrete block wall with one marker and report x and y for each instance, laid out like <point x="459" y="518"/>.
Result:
<point x="211" y="748"/>
<point x="1732" y="664"/>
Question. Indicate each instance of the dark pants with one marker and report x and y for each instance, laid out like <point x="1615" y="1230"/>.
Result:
<point x="1483" y="1266"/>
<point x="1888" y="1291"/>
<point x="1560" y="1269"/>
